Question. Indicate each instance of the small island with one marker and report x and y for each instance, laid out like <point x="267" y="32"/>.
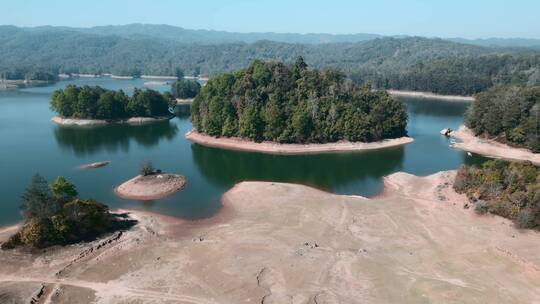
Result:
<point x="54" y="215"/>
<point x="503" y="123"/>
<point x="88" y="105"/>
<point x="283" y="104"/>
<point x="150" y="184"/>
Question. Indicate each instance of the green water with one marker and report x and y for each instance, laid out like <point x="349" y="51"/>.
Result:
<point x="31" y="143"/>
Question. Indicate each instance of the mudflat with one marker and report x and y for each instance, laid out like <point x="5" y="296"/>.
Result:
<point x="286" y="243"/>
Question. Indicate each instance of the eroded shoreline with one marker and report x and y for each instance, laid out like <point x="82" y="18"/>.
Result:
<point x="298" y="244"/>
<point x="491" y="148"/>
<point x="430" y="95"/>
<point x="100" y="122"/>
<point x="238" y="144"/>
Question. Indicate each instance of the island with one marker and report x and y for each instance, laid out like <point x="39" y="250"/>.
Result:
<point x="54" y="215"/>
<point x="278" y="242"/>
<point x="150" y="184"/>
<point x="271" y="102"/>
<point x="503" y="122"/>
<point x="88" y="105"/>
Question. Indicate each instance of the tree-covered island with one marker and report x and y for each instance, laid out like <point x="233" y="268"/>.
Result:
<point x="89" y="102"/>
<point x="55" y="215"/>
<point x="272" y="101"/>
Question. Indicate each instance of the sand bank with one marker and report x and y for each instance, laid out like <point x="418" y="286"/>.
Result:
<point x="99" y="122"/>
<point x="151" y="187"/>
<point x="430" y="95"/>
<point x="239" y="144"/>
<point x="95" y="165"/>
<point x="285" y="243"/>
<point x="186" y="101"/>
<point x="491" y="148"/>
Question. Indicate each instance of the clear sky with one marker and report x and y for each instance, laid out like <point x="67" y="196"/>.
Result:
<point x="448" y="18"/>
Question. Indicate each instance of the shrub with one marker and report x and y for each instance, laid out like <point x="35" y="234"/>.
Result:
<point x="147" y="168"/>
<point x="525" y="219"/>
<point x="480" y="207"/>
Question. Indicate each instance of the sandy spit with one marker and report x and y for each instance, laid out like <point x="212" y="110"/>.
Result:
<point x="151" y="187"/>
<point x="286" y="243"/>
<point x="239" y="144"/>
<point x="491" y="148"/>
<point x="96" y="122"/>
<point x="430" y="95"/>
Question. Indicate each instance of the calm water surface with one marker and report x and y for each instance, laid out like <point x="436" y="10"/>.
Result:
<point x="30" y="143"/>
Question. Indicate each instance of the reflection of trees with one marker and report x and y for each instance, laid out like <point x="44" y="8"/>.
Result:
<point x="326" y="171"/>
<point x="433" y="107"/>
<point x="88" y="140"/>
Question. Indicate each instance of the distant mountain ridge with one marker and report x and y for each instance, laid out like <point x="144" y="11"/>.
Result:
<point x="191" y="36"/>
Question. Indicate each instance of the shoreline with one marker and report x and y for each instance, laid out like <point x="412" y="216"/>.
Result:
<point x="430" y="95"/>
<point x="297" y="242"/>
<point x="491" y="148"/>
<point x="238" y="144"/>
<point x="151" y="187"/>
<point x="100" y="122"/>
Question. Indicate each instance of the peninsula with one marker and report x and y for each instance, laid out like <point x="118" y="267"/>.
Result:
<point x="309" y="247"/>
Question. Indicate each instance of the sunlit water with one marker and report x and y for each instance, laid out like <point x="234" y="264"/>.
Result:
<point x="30" y="143"/>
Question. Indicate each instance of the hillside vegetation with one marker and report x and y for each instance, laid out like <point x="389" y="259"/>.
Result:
<point x="508" y="189"/>
<point x="410" y="63"/>
<point x="507" y="114"/>
<point x="294" y="104"/>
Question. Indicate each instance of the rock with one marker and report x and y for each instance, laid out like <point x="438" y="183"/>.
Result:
<point x="95" y="165"/>
<point x="446" y="131"/>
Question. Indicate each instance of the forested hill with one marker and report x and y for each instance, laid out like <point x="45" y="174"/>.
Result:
<point x="401" y="63"/>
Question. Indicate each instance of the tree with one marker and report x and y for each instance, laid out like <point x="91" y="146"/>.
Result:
<point x="184" y="89"/>
<point x="62" y="190"/>
<point x="36" y="201"/>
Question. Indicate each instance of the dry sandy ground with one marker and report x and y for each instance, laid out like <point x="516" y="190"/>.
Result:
<point x="239" y="144"/>
<point x="96" y="122"/>
<point x="491" y="148"/>
<point x="430" y="95"/>
<point x="151" y="187"/>
<point x="284" y="243"/>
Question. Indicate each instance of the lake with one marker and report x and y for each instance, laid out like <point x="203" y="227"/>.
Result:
<point x="31" y="143"/>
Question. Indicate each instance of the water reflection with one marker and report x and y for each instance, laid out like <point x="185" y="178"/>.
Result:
<point x="342" y="173"/>
<point x="88" y="140"/>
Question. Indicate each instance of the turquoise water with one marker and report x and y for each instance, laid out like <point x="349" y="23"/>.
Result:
<point x="30" y="143"/>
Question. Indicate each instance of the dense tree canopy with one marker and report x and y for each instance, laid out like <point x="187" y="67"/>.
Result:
<point x="511" y="190"/>
<point x="508" y="114"/>
<point x="291" y="103"/>
<point x="54" y="215"/>
<point x="184" y="89"/>
<point x="99" y="103"/>
<point x="411" y="63"/>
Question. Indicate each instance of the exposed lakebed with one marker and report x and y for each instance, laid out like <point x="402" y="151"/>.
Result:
<point x="31" y="143"/>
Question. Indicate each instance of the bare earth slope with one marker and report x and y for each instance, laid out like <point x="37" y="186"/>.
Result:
<point x="284" y="243"/>
<point x="268" y="147"/>
<point x="491" y="148"/>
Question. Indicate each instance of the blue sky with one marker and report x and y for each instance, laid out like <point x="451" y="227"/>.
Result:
<point x="448" y="18"/>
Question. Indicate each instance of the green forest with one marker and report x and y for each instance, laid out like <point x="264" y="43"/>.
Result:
<point x="294" y="104"/>
<point x="99" y="103"/>
<point x="410" y="63"/>
<point x="508" y="189"/>
<point x="507" y="114"/>
<point x="54" y="215"/>
<point x="184" y="89"/>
